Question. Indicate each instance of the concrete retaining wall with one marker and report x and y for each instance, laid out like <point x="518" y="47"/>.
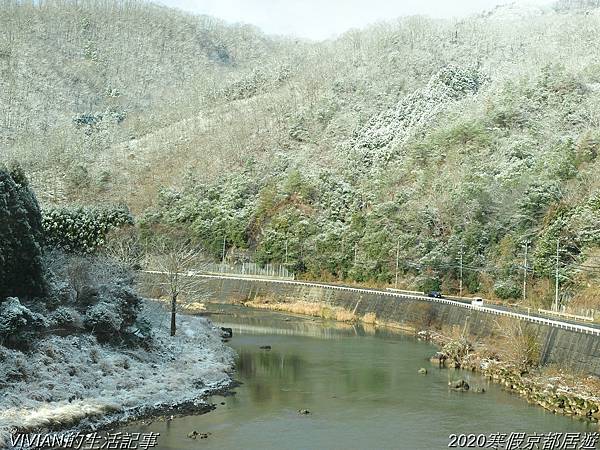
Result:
<point x="577" y="350"/>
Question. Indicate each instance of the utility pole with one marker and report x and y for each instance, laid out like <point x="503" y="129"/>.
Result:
<point x="397" y="262"/>
<point x="460" y="288"/>
<point x="556" y="289"/>
<point x="286" y="252"/>
<point x="525" y="272"/>
<point x="223" y="253"/>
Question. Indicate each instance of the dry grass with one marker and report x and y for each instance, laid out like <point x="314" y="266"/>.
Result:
<point x="306" y="308"/>
<point x="327" y="312"/>
<point x="193" y="308"/>
<point x="574" y="381"/>
<point x="370" y="318"/>
<point x="520" y="345"/>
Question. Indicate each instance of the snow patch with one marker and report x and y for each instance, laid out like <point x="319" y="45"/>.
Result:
<point x="517" y="11"/>
<point x="75" y="381"/>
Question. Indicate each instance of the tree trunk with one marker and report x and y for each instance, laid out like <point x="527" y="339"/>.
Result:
<point x="173" y="312"/>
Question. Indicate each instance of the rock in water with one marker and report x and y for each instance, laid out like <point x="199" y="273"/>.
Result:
<point x="194" y="435"/>
<point x="460" y="385"/>
<point x="265" y="347"/>
<point x="439" y="358"/>
<point x="226" y="333"/>
<point x="423" y="371"/>
<point x="303" y="412"/>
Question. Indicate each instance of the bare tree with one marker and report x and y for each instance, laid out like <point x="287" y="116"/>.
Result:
<point x="523" y="349"/>
<point x="174" y="266"/>
<point x="124" y="245"/>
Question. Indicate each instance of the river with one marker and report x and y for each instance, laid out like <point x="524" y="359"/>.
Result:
<point x="360" y="385"/>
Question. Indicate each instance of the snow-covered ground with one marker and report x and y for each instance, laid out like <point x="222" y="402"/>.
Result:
<point x="73" y="381"/>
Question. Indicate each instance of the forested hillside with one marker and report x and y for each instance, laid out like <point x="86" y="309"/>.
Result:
<point x="425" y="138"/>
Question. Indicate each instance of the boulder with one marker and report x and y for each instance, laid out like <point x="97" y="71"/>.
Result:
<point x="226" y="333"/>
<point x="460" y="385"/>
<point x="439" y="358"/>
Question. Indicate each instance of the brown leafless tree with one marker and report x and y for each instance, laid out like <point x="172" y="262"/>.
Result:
<point x="173" y="266"/>
<point x="123" y="245"/>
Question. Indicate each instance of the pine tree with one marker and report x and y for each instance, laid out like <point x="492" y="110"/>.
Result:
<point x="21" y="268"/>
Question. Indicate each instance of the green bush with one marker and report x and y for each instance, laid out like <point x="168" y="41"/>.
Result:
<point x="18" y="324"/>
<point x="507" y="289"/>
<point x="66" y="318"/>
<point x="429" y="283"/>
<point x="102" y="320"/>
<point x="82" y="229"/>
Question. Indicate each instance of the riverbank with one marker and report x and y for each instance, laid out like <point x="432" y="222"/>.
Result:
<point x="506" y="357"/>
<point x="328" y="312"/>
<point x="75" y="383"/>
<point x="555" y="389"/>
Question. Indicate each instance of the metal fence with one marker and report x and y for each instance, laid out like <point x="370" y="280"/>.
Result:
<point x="251" y="269"/>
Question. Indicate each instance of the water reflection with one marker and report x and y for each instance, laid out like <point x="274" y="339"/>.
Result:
<point x="277" y="366"/>
<point x="253" y="322"/>
<point x="267" y="372"/>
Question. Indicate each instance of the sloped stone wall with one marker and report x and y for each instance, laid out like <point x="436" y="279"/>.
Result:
<point x="578" y="351"/>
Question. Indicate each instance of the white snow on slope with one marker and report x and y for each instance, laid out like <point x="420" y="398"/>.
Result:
<point x="517" y="11"/>
<point x="74" y="381"/>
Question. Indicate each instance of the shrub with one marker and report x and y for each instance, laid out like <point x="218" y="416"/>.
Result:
<point x="247" y="87"/>
<point x="506" y="289"/>
<point x="82" y="229"/>
<point x="95" y="287"/>
<point x="126" y="302"/>
<point x="66" y="318"/>
<point x="102" y="320"/>
<point x="428" y="283"/>
<point x="17" y="323"/>
<point x="456" y="350"/>
<point x="78" y="177"/>
<point x="523" y="349"/>
<point x="588" y="148"/>
<point x="61" y="293"/>
<point x="124" y="245"/>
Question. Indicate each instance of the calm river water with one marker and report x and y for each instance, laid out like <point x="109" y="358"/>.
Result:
<point x="360" y="385"/>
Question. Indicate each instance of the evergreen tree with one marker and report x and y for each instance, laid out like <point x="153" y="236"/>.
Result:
<point x="21" y="268"/>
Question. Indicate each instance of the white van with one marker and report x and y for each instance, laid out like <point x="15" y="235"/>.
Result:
<point x="477" y="301"/>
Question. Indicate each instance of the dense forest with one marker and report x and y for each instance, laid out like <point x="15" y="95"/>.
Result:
<point x="418" y="141"/>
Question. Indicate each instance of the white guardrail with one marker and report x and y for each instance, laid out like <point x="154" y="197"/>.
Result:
<point x="566" y="315"/>
<point x="499" y="312"/>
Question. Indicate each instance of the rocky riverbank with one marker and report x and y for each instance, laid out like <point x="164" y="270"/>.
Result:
<point x="557" y="391"/>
